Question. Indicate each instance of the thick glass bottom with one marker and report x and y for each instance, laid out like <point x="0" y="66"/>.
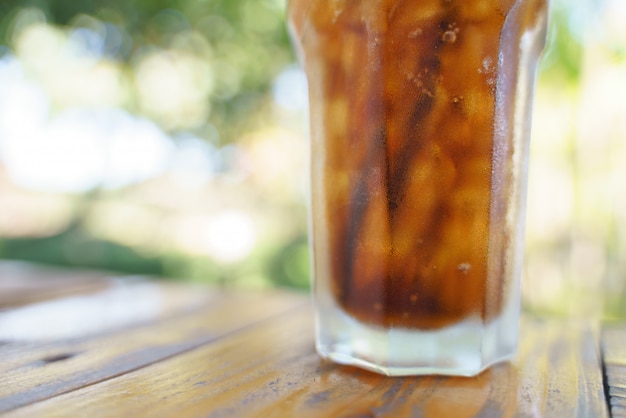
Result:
<point x="464" y="349"/>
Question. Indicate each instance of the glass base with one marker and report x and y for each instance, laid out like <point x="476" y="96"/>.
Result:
<point x="464" y="349"/>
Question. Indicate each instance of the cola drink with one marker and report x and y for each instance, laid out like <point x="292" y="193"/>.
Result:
<point x="419" y="117"/>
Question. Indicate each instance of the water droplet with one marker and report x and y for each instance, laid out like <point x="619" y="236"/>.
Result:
<point x="464" y="267"/>
<point x="458" y="100"/>
<point x="427" y="92"/>
<point x="416" y="33"/>
<point x="337" y="14"/>
<point x="449" y="36"/>
<point x="487" y="63"/>
<point x="487" y="66"/>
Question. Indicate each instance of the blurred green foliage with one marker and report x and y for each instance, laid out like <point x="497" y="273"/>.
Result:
<point x="247" y="40"/>
<point x="75" y="248"/>
<point x="562" y="59"/>
<point x="247" y="46"/>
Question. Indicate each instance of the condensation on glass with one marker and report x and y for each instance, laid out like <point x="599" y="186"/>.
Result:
<point x="419" y="135"/>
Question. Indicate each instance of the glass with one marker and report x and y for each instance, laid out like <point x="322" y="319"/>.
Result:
<point x="419" y="113"/>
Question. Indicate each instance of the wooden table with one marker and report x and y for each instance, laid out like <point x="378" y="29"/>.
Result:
<point x="88" y="344"/>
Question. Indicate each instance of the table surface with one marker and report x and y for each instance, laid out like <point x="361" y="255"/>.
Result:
<point x="77" y="343"/>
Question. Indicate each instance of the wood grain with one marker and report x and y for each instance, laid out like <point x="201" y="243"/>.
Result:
<point x="614" y="349"/>
<point x="35" y="371"/>
<point x="269" y="369"/>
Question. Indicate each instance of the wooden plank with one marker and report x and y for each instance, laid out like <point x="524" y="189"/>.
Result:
<point x="37" y="371"/>
<point x="23" y="283"/>
<point x="49" y="331"/>
<point x="614" y="350"/>
<point x="271" y="370"/>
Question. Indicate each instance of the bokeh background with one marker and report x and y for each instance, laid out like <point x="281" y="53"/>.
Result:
<point x="168" y="138"/>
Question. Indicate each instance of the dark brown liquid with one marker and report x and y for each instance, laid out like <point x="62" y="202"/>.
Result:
<point x="413" y="189"/>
